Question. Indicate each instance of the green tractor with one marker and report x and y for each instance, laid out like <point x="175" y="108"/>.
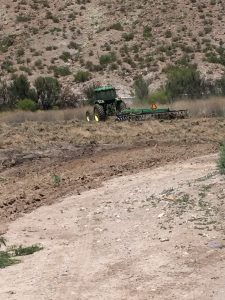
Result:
<point x="106" y="103"/>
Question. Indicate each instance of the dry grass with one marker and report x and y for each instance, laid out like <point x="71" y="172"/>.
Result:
<point x="44" y="116"/>
<point x="212" y="107"/>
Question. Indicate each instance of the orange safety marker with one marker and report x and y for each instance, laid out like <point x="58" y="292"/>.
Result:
<point x="154" y="106"/>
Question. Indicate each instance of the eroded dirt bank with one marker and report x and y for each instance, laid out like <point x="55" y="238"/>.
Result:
<point x="158" y="234"/>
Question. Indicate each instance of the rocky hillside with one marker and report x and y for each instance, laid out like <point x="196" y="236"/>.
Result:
<point x="114" y="40"/>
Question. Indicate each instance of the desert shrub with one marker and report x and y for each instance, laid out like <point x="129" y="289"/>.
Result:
<point x="184" y="81"/>
<point x="6" y="42"/>
<point x="147" y="32"/>
<point x="65" y="56"/>
<point x="159" y="96"/>
<point x="89" y="92"/>
<point x="7" y="65"/>
<point x="23" y="18"/>
<point x="141" y="89"/>
<point x="20" y="88"/>
<point x="106" y="59"/>
<point x="6" y="101"/>
<point x="67" y="98"/>
<point x="82" y="76"/>
<point x="221" y="163"/>
<point x="116" y="26"/>
<point x="129" y="36"/>
<point x="27" y="105"/>
<point x="61" y="71"/>
<point x="48" y="91"/>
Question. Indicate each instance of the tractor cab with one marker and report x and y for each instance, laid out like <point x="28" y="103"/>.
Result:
<point x="105" y="93"/>
<point x="106" y="104"/>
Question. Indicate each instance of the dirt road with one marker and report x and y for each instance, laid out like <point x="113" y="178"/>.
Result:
<point x="158" y="234"/>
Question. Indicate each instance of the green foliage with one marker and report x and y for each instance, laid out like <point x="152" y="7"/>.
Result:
<point x="184" y="81"/>
<point x="6" y="42"/>
<point x="22" y="251"/>
<point x="116" y="26"/>
<point x="56" y="180"/>
<point x="6" y="260"/>
<point x="107" y="58"/>
<point x="8" y="257"/>
<point x="65" y="56"/>
<point x="147" y="32"/>
<point x="159" y="96"/>
<point x="221" y="162"/>
<point x="20" y="88"/>
<point x="89" y="92"/>
<point x="141" y="89"/>
<point x="82" y="76"/>
<point x="129" y="36"/>
<point x="61" y="71"/>
<point x="48" y="91"/>
<point x="23" y="18"/>
<point x="27" y="104"/>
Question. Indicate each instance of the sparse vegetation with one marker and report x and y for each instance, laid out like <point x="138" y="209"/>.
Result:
<point x="82" y="76"/>
<point x="10" y="255"/>
<point x="141" y="89"/>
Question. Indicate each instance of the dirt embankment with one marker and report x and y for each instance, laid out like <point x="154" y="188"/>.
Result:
<point x="41" y="162"/>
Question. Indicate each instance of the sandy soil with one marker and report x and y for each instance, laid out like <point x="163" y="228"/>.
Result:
<point x="158" y="234"/>
<point x="39" y="163"/>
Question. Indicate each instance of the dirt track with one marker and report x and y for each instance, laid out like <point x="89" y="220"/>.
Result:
<point x="82" y="156"/>
<point x="158" y="234"/>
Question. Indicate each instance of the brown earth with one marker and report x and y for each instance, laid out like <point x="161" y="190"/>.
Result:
<point x="158" y="234"/>
<point x="41" y="163"/>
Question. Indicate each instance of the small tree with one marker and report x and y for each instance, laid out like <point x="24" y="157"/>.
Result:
<point x="20" y="87"/>
<point x="184" y="81"/>
<point x="5" y="99"/>
<point x="141" y="89"/>
<point x="48" y="91"/>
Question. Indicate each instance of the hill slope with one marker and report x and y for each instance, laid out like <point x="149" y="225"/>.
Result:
<point x="113" y="40"/>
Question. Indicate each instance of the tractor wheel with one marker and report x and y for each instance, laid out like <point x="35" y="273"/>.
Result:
<point x="121" y="106"/>
<point x="88" y="116"/>
<point x="99" y="113"/>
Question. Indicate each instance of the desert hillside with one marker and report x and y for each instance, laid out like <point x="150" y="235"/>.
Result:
<point x="114" y="40"/>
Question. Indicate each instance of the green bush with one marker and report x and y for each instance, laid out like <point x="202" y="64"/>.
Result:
<point x="61" y="71"/>
<point x="221" y="162"/>
<point x="141" y="89"/>
<point x="48" y="91"/>
<point x="184" y="81"/>
<point x="89" y="92"/>
<point x="20" y="88"/>
<point x="129" y="36"/>
<point x="107" y="58"/>
<point x="147" y="32"/>
<point x="159" y="96"/>
<point x="82" y="76"/>
<point x="116" y="26"/>
<point x="6" y="42"/>
<point x="27" y="104"/>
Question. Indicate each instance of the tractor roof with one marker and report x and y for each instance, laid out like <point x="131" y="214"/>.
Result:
<point x="104" y="88"/>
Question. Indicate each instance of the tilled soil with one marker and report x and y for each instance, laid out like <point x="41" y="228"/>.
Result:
<point x="40" y="163"/>
<point x="157" y="234"/>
